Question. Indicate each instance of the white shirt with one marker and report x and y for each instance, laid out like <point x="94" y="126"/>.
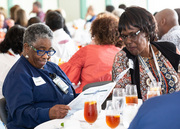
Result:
<point x="6" y="62"/>
<point x="63" y="44"/>
<point x="173" y="35"/>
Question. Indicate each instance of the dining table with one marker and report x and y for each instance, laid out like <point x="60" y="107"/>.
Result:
<point x="77" y="121"/>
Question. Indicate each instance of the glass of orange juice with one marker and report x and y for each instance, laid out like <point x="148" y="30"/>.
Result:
<point x="131" y="94"/>
<point x="112" y="115"/>
<point x="90" y="111"/>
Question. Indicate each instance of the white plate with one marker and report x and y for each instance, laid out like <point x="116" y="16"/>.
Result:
<point x="52" y="124"/>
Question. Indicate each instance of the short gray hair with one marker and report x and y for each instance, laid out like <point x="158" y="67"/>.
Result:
<point x="37" y="31"/>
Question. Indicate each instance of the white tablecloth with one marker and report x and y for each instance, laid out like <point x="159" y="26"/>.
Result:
<point x="77" y="122"/>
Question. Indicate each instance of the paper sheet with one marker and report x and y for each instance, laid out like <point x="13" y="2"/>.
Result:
<point x="99" y="92"/>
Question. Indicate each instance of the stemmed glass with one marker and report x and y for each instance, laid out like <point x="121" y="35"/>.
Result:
<point x="118" y="98"/>
<point x="154" y="90"/>
<point x="131" y="94"/>
<point x="90" y="111"/>
<point x="112" y="115"/>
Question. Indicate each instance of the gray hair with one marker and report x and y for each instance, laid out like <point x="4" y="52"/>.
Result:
<point x="37" y="31"/>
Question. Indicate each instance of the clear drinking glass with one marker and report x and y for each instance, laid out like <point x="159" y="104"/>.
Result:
<point x="131" y="94"/>
<point x="118" y="98"/>
<point x="112" y="115"/>
<point x="90" y="111"/>
<point x="154" y="90"/>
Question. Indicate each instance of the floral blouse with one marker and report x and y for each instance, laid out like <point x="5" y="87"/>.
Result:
<point x="170" y="78"/>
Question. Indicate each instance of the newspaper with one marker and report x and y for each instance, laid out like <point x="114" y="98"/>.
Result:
<point x="99" y="92"/>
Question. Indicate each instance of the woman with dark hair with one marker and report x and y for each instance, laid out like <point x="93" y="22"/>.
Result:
<point x="10" y="51"/>
<point x="93" y="63"/>
<point x="153" y="61"/>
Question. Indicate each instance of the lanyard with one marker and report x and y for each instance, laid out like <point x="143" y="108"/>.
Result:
<point x="131" y="66"/>
<point x="147" y="69"/>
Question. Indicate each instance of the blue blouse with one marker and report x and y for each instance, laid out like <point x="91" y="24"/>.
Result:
<point x="30" y="93"/>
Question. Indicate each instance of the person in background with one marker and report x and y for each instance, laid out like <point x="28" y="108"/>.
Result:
<point x="178" y="12"/>
<point x="65" y="47"/>
<point x="168" y="26"/>
<point x="2" y="33"/>
<point x="60" y="11"/>
<point x="37" y="9"/>
<point x="122" y="6"/>
<point x="21" y="18"/>
<point x="138" y="31"/>
<point x="10" y="51"/>
<point x="118" y="12"/>
<point x="32" y="94"/>
<point x="110" y="8"/>
<point x="33" y="20"/>
<point x="91" y="13"/>
<point x="158" y="113"/>
<point x="13" y="10"/>
<point x="93" y="63"/>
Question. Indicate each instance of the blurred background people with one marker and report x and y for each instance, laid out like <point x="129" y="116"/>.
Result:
<point x="122" y="6"/>
<point x="93" y="63"/>
<point x="168" y="26"/>
<point x="110" y="8"/>
<point x="63" y="44"/>
<point x="21" y="18"/>
<point x="33" y="20"/>
<point x="118" y="12"/>
<point x="178" y="12"/>
<point x="37" y="9"/>
<point x="10" y="51"/>
<point x="60" y="11"/>
<point x="13" y="10"/>
<point x="138" y="31"/>
<point x="2" y="31"/>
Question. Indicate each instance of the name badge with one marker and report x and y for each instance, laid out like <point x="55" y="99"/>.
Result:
<point x="63" y="86"/>
<point x="38" y="81"/>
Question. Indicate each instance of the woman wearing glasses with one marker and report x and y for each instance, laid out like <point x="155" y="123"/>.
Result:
<point x="152" y="61"/>
<point x="36" y="90"/>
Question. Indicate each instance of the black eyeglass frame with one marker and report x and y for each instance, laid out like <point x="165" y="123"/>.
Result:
<point x="43" y="51"/>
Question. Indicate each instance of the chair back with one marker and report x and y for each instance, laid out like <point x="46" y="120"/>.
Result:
<point x="3" y="111"/>
<point x="95" y="84"/>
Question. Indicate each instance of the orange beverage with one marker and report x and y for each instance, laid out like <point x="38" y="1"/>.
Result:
<point x="112" y="121"/>
<point x="152" y="94"/>
<point x="131" y="99"/>
<point x="90" y="111"/>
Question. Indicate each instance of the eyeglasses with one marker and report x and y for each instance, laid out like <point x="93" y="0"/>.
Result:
<point x="132" y="36"/>
<point x="42" y="52"/>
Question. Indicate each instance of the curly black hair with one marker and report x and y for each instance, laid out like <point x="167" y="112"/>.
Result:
<point x="13" y="40"/>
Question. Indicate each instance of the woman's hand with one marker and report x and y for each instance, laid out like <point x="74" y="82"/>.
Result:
<point x="58" y="111"/>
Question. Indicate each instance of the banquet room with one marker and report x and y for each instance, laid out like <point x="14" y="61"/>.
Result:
<point x="95" y="64"/>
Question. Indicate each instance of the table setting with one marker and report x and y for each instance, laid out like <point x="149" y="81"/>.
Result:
<point x="118" y="114"/>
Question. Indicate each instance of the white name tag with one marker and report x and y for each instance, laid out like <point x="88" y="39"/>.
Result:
<point x="38" y="81"/>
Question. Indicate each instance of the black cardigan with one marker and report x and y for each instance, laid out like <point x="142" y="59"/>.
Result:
<point x="166" y="48"/>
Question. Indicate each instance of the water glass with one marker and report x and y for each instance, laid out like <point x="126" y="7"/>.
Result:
<point x="118" y="98"/>
<point x="131" y="94"/>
